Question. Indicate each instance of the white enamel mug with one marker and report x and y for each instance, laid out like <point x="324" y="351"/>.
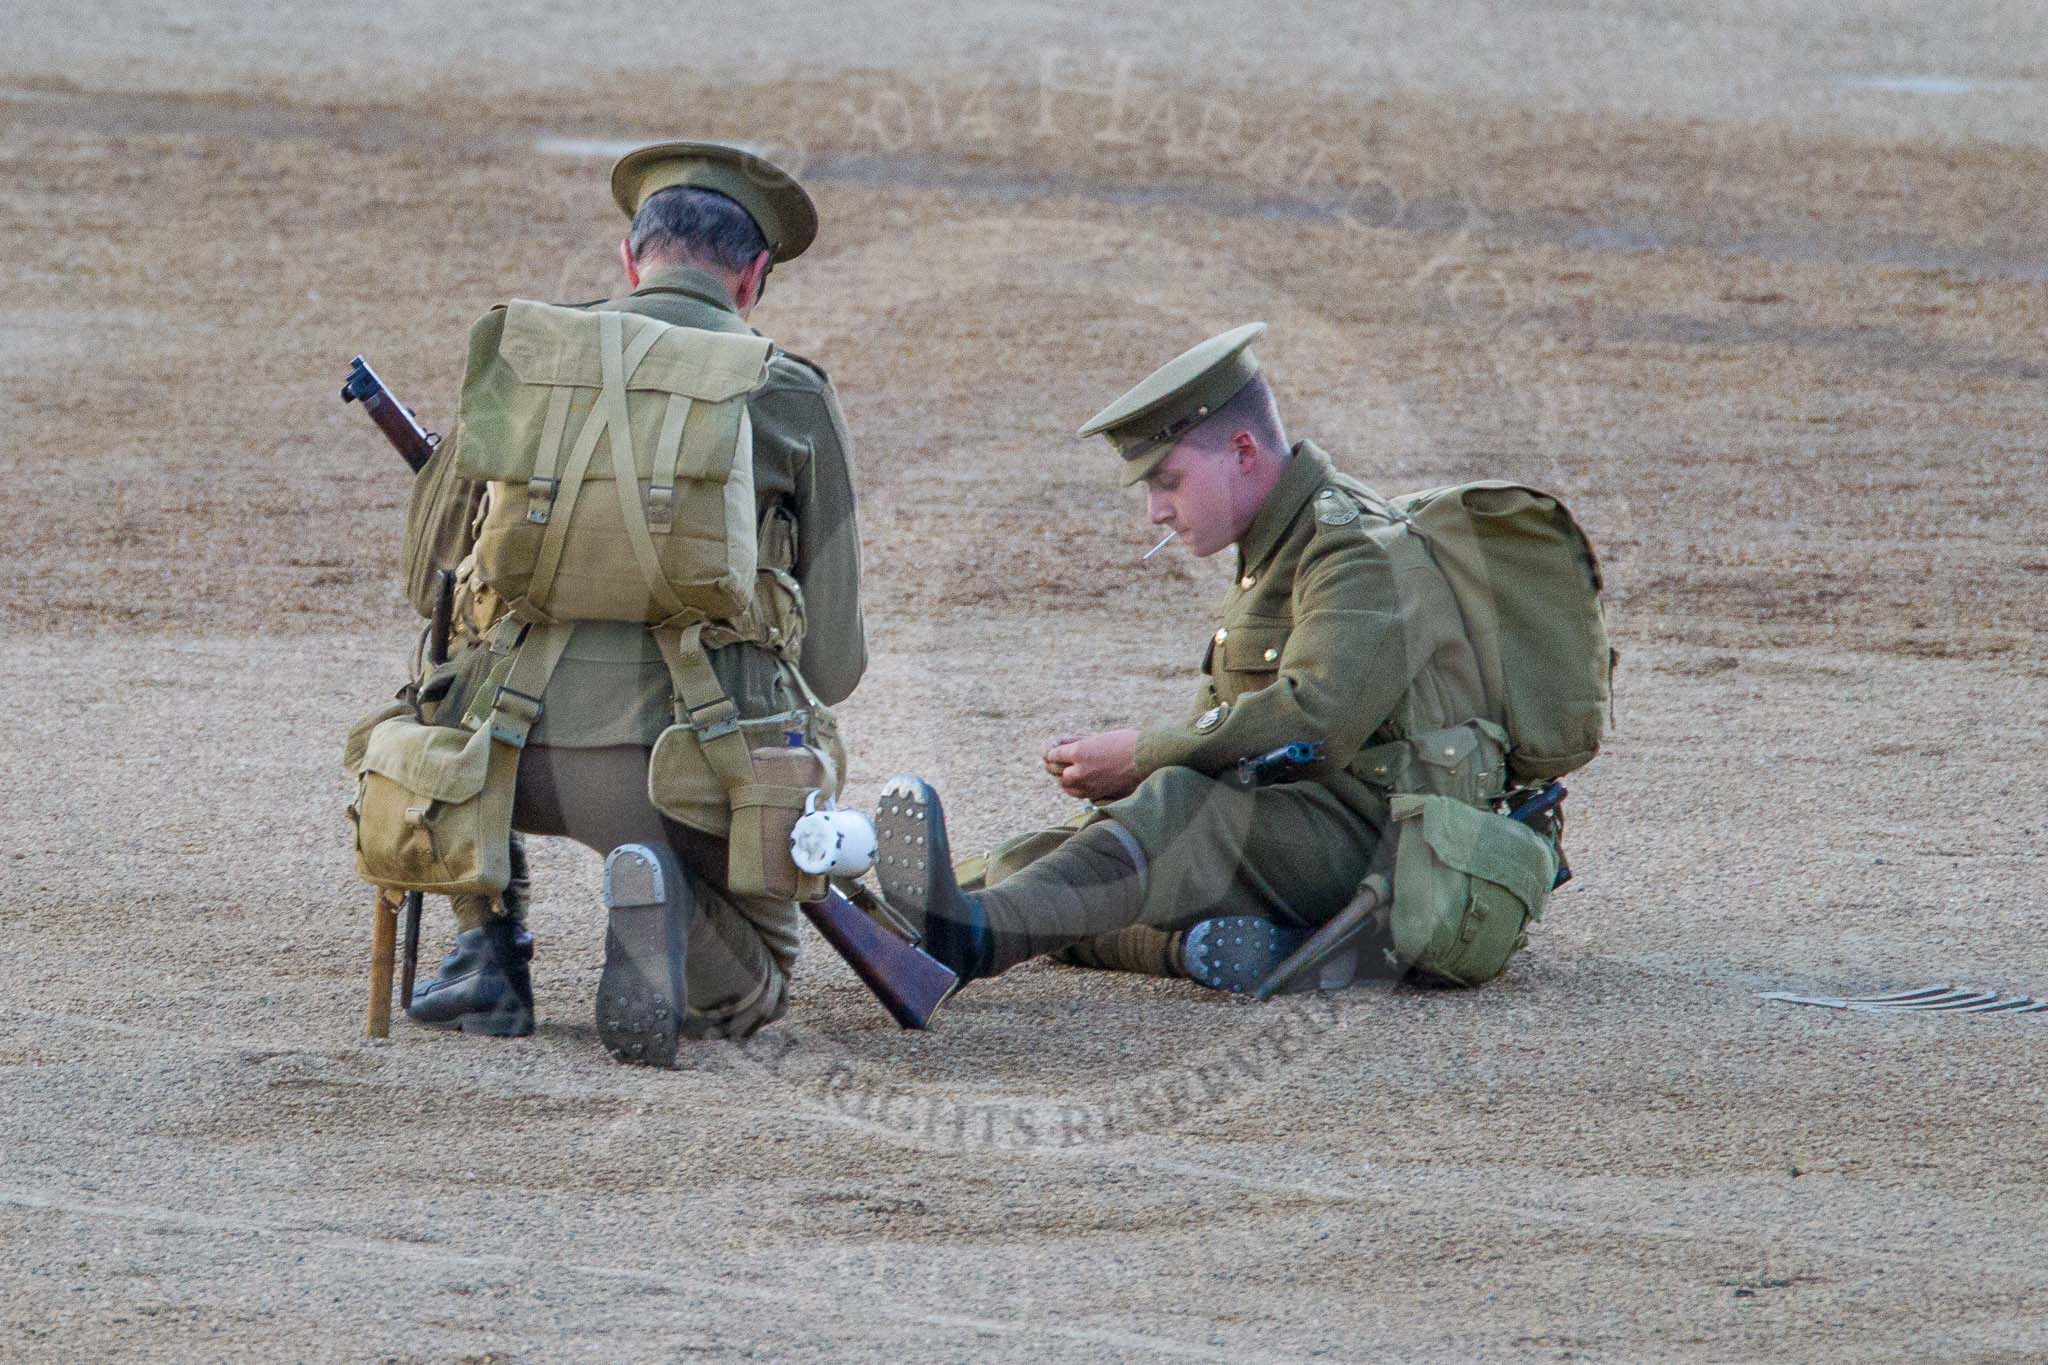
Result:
<point x="838" y="843"/>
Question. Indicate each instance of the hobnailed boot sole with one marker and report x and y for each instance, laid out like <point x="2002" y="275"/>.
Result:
<point x="909" y="831"/>
<point x="1238" y="952"/>
<point x="641" y="995"/>
<point x="914" y="864"/>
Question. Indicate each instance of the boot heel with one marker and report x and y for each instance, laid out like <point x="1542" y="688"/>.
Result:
<point x="642" y="994"/>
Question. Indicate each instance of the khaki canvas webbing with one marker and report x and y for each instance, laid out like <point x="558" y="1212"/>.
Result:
<point x="540" y="489"/>
<point x="619" y="364"/>
<point x="705" y="447"/>
<point x="516" y="706"/>
<point x="632" y="516"/>
<point x="701" y="704"/>
<point x="668" y="458"/>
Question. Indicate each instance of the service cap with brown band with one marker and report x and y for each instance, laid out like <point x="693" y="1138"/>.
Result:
<point x="769" y="194"/>
<point x="1146" y="422"/>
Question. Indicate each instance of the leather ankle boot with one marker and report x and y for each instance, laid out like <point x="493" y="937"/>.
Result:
<point x="484" y="985"/>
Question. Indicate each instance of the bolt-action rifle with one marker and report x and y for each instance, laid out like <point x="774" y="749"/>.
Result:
<point x="413" y="442"/>
<point x="880" y="948"/>
<point x="883" y="952"/>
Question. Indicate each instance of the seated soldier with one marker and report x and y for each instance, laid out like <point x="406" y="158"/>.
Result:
<point x="1340" y="631"/>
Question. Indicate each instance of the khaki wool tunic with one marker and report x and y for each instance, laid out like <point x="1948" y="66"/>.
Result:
<point x="1340" y="630"/>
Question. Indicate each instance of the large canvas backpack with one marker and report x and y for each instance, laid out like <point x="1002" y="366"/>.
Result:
<point x="1528" y="583"/>
<point x="1467" y="880"/>
<point x="619" y="459"/>
<point x="616" y="456"/>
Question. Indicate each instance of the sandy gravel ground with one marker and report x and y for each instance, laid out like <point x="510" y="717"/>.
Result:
<point x="1780" y="345"/>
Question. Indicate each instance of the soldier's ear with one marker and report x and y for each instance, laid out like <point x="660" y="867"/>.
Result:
<point x="754" y="280"/>
<point x="1246" y="447"/>
<point x="626" y="259"/>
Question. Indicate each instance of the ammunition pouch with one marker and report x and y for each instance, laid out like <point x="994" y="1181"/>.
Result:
<point x="1466" y="884"/>
<point x="1468" y="762"/>
<point x="712" y="771"/>
<point x="433" y="807"/>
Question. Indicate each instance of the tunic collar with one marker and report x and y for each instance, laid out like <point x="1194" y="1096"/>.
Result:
<point x="690" y="281"/>
<point x="1309" y="470"/>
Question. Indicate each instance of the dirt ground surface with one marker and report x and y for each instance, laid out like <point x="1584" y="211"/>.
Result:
<point x="1761" y="295"/>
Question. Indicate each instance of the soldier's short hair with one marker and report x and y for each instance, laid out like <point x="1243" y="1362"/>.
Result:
<point x="1252" y="409"/>
<point x="683" y="220"/>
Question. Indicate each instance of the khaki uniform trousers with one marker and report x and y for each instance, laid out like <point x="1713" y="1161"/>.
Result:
<point x="741" y="948"/>
<point x="1292" y="852"/>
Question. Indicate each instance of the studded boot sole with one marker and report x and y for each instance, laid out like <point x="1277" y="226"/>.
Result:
<point x="642" y="995"/>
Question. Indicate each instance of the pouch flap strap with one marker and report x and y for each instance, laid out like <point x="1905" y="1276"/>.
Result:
<point x="774" y="795"/>
<point x="540" y="489"/>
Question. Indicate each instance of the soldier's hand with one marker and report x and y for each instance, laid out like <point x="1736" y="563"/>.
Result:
<point x="1055" y="764"/>
<point x="1099" y="767"/>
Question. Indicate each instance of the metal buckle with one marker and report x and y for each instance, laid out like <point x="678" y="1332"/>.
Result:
<point x="727" y="719"/>
<point x="513" y="716"/>
<point x="661" y="508"/>
<point x="540" y="499"/>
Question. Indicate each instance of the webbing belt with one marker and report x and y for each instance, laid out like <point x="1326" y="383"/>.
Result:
<point x="515" y="705"/>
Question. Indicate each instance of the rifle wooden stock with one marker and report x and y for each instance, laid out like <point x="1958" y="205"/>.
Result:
<point x="909" y="982"/>
<point x="413" y="442"/>
<point x="383" y="939"/>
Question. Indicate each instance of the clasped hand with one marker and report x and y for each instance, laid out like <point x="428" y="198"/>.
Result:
<point x="1098" y="767"/>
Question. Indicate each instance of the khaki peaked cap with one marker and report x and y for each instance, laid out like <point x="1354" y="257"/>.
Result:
<point x="1146" y="423"/>
<point x="769" y="194"/>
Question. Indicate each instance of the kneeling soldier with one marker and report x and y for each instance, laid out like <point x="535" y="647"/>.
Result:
<point x="684" y="953"/>
<point x="1340" y="631"/>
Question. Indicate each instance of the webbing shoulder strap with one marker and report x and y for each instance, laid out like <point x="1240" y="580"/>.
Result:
<point x="701" y="704"/>
<point x="619" y="361"/>
<point x="632" y="514"/>
<point x="516" y="706"/>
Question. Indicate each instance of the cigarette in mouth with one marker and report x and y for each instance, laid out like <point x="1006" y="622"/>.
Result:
<point x="1157" y="548"/>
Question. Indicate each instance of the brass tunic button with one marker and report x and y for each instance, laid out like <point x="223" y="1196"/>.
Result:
<point x="1222" y="635"/>
<point x="1271" y="655"/>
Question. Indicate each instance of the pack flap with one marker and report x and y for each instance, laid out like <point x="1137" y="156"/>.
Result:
<point x="546" y="344"/>
<point x="1481" y="844"/>
<point x="439" y="762"/>
<point x="359" y="734"/>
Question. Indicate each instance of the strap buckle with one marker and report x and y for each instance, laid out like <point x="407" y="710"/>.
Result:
<point x="661" y="509"/>
<point x="513" y="716"/>
<point x="540" y="499"/>
<point x="715" y="720"/>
